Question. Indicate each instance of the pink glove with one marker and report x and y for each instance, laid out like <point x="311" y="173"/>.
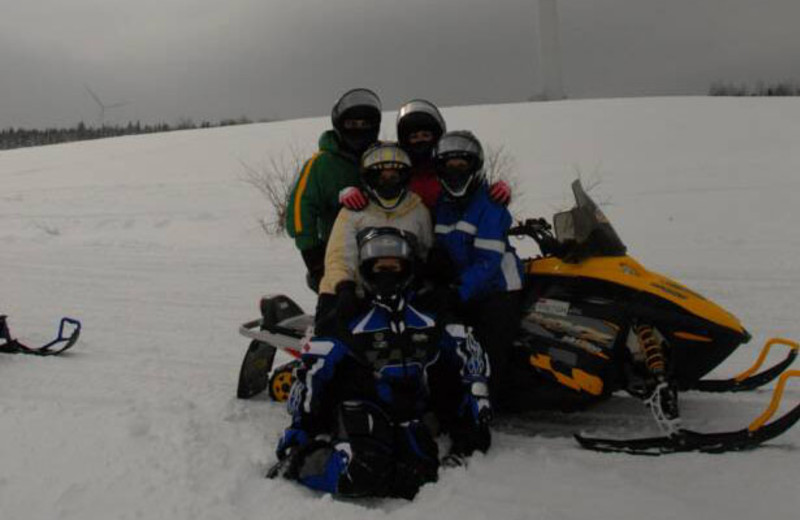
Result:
<point x="499" y="192"/>
<point x="353" y="198"/>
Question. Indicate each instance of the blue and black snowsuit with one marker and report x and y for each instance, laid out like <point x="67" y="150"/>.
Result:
<point x="365" y="410"/>
<point x="473" y="233"/>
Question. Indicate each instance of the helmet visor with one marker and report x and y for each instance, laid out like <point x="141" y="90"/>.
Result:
<point x="359" y="97"/>
<point x="385" y="156"/>
<point x="375" y="245"/>
<point x="457" y="144"/>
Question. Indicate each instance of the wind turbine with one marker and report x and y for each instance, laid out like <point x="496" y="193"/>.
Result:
<point x="103" y="106"/>
<point x="549" y="52"/>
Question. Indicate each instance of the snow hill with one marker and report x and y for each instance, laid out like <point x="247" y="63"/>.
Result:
<point x="153" y="242"/>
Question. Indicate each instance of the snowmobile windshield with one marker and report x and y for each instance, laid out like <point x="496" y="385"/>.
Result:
<point x="584" y="231"/>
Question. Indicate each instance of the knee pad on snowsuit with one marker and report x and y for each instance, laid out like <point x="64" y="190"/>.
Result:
<point x="368" y="433"/>
<point x="358" y="461"/>
<point x="370" y="456"/>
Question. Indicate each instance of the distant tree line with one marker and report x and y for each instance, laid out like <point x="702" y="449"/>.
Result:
<point x="785" y="88"/>
<point x="22" y="137"/>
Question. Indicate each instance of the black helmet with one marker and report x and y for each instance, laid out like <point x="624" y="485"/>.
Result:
<point x="461" y="144"/>
<point x="416" y="115"/>
<point x="386" y="192"/>
<point x="357" y="104"/>
<point x="386" y="263"/>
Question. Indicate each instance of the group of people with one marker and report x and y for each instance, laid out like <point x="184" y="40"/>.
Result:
<point x="419" y="302"/>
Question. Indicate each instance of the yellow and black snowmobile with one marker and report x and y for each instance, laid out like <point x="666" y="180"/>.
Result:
<point x="596" y="321"/>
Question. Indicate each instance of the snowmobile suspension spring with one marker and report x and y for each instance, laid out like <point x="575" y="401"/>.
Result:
<point x="653" y="353"/>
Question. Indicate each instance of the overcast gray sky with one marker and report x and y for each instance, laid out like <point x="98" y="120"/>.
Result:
<point x="213" y="59"/>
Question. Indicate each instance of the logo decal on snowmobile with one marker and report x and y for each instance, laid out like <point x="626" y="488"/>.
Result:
<point x="578" y="380"/>
<point x="547" y="306"/>
<point x="419" y="337"/>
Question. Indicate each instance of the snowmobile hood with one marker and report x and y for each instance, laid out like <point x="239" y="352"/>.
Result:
<point x="625" y="271"/>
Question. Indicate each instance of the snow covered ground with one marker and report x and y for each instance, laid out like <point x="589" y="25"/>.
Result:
<point x="153" y="242"/>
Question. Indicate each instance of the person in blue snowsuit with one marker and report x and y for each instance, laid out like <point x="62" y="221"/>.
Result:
<point x="474" y="254"/>
<point x="366" y="406"/>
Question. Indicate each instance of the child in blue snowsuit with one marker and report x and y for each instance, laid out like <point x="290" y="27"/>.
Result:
<point x="366" y="406"/>
<point x="472" y="233"/>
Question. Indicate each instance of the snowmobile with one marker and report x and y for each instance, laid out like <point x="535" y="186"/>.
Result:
<point x="68" y="333"/>
<point x="595" y="322"/>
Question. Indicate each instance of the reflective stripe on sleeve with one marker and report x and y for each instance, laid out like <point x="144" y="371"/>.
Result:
<point x="442" y="229"/>
<point x="466" y="227"/>
<point x="498" y="246"/>
<point x="461" y="225"/>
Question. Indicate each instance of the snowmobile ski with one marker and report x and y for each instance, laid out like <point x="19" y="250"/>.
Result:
<point x="758" y="432"/>
<point x="749" y="380"/>
<point x="68" y="332"/>
<point x="256" y="365"/>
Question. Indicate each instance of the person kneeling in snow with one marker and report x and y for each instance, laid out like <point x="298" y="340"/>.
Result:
<point x="366" y="407"/>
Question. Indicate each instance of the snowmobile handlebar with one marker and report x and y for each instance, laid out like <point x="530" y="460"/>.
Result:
<point x="541" y="232"/>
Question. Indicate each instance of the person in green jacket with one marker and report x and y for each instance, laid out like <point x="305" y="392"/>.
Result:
<point x="314" y="201"/>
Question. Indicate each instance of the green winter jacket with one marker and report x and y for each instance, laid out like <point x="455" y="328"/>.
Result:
<point x="314" y="201"/>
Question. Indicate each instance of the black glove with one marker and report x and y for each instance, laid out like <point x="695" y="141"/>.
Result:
<point x="325" y="323"/>
<point x="347" y="303"/>
<point x="314" y="259"/>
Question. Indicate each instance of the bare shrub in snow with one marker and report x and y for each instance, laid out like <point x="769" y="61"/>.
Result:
<point x="274" y="179"/>
<point x="500" y="165"/>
